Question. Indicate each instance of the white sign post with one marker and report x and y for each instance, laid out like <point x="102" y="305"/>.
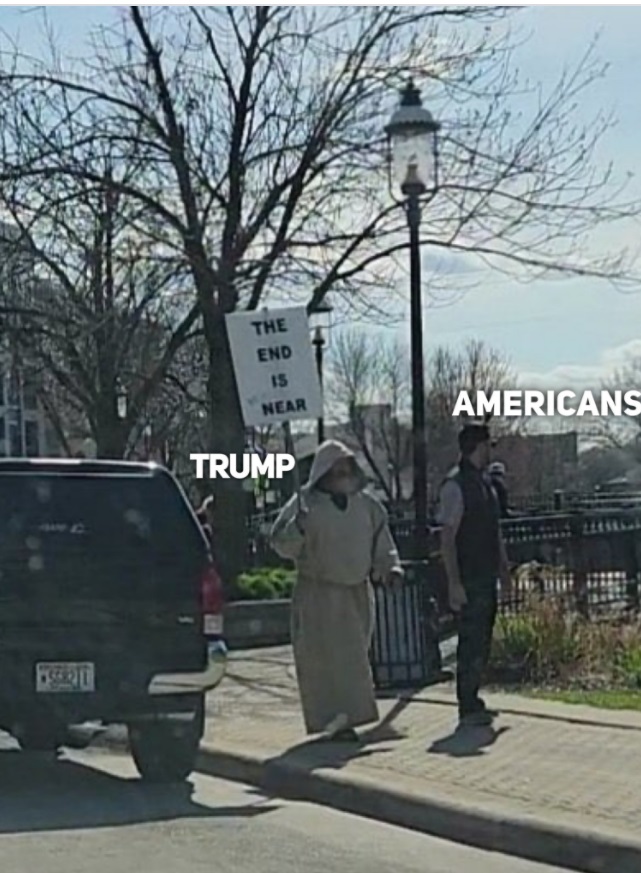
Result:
<point x="274" y="366"/>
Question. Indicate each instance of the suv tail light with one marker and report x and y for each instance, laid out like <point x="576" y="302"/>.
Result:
<point x="212" y="601"/>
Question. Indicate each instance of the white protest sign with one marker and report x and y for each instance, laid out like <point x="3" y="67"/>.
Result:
<point x="274" y="366"/>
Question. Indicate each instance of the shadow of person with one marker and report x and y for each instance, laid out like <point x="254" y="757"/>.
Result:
<point x="42" y="793"/>
<point x="467" y="742"/>
<point x="318" y="754"/>
<point x="277" y="690"/>
<point x="386" y="731"/>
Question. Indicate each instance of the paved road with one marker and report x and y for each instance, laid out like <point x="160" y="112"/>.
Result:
<point x="90" y="814"/>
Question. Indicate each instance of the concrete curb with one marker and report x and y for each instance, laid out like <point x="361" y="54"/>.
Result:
<point x="256" y="624"/>
<point x="548" y="711"/>
<point x="493" y="828"/>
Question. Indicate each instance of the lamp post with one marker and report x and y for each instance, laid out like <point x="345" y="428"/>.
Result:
<point x="118" y="445"/>
<point x="146" y="435"/>
<point x="121" y="402"/>
<point x="322" y="318"/>
<point x="413" y="159"/>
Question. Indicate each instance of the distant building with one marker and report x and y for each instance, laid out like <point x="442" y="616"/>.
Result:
<point x="23" y="432"/>
<point x="539" y="463"/>
<point x="23" y="428"/>
<point x="536" y="463"/>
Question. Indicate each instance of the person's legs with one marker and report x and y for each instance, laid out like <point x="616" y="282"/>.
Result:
<point x="468" y="680"/>
<point x="487" y="619"/>
<point x="476" y="625"/>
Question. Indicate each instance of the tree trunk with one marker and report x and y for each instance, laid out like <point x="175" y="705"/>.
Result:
<point x="110" y="437"/>
<point x="227" y="437"/>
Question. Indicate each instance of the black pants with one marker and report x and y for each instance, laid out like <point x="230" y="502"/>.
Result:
<point x="475" y="628"/>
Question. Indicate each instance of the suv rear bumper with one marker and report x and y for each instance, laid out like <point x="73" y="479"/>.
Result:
<point x="194" y="683"/>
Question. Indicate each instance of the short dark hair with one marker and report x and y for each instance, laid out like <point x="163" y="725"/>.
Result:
<point x="472" y="435"/>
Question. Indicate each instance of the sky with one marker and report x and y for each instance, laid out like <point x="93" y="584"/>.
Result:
<point x="565" y="333"/>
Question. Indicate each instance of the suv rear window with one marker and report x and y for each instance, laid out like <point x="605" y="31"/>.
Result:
<point x="76" y="530"/>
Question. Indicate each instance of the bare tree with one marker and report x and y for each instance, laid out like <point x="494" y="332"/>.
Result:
<point x="602" y="463"/>
<point x="368" y="391"/>
<point x="476" y="367"/>
<point x="620" y="432"/>
<point x="88" y="306"/>
<point x="257" y="136"/>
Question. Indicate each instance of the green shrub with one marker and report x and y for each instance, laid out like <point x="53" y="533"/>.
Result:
<point x="627" y="665"/>
<point x="545" y="645"/>
<point x="265" y="583"/>
<point x="540" y="644"/>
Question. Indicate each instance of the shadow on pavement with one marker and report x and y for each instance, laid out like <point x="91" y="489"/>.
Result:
<point x="385" y="731"/>
<point x="45" y="794"/>
<point x="278" y="690"/>
<point x="467" y="742"/>
<point x="320" y="753"/>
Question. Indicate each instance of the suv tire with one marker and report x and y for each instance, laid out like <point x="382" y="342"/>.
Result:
<point x="165" y="750"/>
<point x="34" y="738"/>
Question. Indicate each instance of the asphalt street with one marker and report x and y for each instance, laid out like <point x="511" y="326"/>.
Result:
<point x="89" y="813"/>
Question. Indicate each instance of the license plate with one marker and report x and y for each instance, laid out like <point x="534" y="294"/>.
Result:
<point x="61" y="678"/>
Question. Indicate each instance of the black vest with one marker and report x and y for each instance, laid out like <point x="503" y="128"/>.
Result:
<point x="477" y="539"/>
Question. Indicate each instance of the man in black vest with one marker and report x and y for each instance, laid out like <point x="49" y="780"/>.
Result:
<point x="474" y="557"/>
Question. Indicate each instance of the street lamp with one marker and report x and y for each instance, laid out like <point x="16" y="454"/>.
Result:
<point x="321" y="321"/>
<point x="413" y="160"/>
<point x="121" y="402"/>
<point x="146" y="435"/>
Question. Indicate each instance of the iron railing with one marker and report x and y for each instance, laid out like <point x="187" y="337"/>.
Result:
<point x="560" y="500"/>
<point x="591" y="559"/>
<point x="588" y="561"/>
<point x="405" y="651"/>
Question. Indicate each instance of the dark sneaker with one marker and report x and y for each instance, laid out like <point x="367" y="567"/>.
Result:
<point x="494" y="713"/>
<point x="482" y="718"/>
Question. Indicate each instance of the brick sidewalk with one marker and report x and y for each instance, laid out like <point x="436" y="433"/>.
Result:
<point x="571" y="763"/>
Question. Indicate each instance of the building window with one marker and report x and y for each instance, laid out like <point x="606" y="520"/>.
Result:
<point x="32" y="439"/>
<point x="15" y="439"/>
<point x="14" y="390"/>
<point x="29" y="394"/>
<point x="3" y="437"/>
<point x="3" y="392"/>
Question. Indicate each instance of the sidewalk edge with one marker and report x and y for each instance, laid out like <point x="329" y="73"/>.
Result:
<point x="514" y="834"/>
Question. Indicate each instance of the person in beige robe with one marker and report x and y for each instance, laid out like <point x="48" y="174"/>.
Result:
<point x="339" y="538"/>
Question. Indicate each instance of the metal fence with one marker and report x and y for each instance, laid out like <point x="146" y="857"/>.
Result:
<point x="559" y="501"/>
<point x="405" y="650"/>
<point x="589" y="559"/>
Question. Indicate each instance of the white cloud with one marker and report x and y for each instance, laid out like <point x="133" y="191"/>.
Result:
<point x="579" y="377"/>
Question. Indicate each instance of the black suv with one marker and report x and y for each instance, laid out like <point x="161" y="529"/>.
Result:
<point x="110" y="609"/>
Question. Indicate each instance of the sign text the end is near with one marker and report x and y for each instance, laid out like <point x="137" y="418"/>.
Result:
<point x="274" y="366"/>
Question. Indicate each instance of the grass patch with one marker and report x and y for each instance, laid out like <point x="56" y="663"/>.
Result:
<point x="615" y="699"/>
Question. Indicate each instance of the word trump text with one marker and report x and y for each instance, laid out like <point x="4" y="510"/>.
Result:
<point x="250" y="465"/>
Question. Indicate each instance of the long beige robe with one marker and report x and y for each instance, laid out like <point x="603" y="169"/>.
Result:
<point x="332" y="604"/>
